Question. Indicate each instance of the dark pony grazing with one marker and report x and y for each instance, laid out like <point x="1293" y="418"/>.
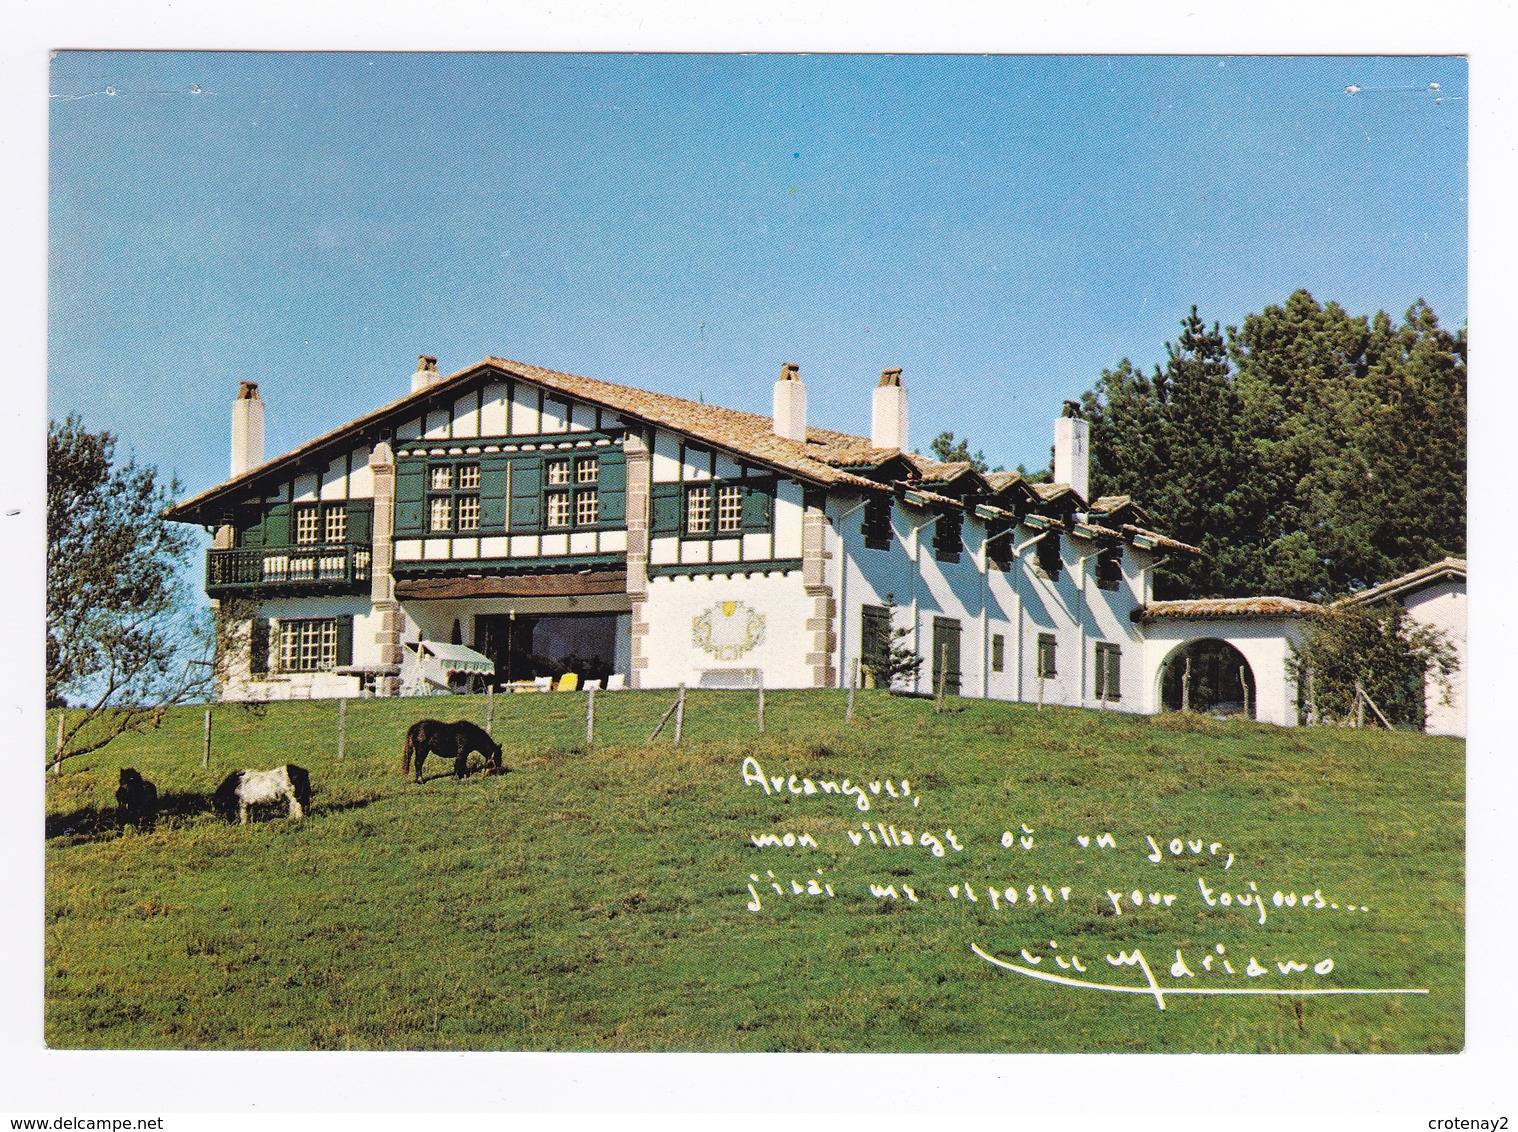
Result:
<point x="136" y="799"/>
<point x="244" y="788"/>
<point x="447" y="741"/>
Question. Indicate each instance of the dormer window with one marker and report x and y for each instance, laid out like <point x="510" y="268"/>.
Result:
<point x="948" y="537"/>
<point x="877" y="523"/>
<point x="1109" y="567"/>
<point x="1048" y="556"/>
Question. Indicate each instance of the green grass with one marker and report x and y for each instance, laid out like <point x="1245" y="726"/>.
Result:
<point x="597" y="900"/>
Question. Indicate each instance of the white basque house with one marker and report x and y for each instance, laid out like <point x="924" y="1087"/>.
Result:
<point x="554" y="523"/>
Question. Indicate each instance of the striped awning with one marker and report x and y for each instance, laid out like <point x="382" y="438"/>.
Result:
<point x="455" y="658"/>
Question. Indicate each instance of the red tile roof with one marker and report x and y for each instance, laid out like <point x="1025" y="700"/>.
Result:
<point x="1159" y="540"/>
<point x="1445" y="570"/>
<point x="1219" y="608"/>
<point x="750" y="436"/>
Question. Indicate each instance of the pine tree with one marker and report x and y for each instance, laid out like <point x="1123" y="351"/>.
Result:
<point x="1309" y="455"/>
<point x="892" y="659"/>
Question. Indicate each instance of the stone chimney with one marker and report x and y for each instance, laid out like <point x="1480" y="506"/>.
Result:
<point x="888" y="417"/>
<point x="790" y="403"/>
<point x="247" y="429"/>
<point x="1072" y="449"/>
<point x="426" y="373"/>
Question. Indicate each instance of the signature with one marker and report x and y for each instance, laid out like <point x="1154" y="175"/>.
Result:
<point x="1178" y="969"/>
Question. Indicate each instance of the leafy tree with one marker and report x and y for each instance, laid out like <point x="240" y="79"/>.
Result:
<point x="116" y="603"/>
<point x="892" y="659"/>
<point x="1309" y="453"/>
<point x="946" y="449"/>
<point x="1382" y="650"/>
<point x="1391" y="498"/>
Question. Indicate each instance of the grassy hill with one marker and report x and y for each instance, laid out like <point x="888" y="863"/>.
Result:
<point x="601" y="899"/>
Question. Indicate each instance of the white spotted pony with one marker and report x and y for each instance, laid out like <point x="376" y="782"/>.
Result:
<point x="244" y="788"/>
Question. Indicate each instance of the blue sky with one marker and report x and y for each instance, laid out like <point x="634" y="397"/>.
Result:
<point x="1002" y="228"/>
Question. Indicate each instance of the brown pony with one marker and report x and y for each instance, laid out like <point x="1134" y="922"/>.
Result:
<point x="448" y="740"/>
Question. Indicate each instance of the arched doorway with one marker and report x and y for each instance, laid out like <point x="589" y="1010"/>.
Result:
<point x="1210" y="676"/>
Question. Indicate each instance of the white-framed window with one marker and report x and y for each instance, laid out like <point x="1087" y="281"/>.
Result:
<point x="558" y="471"/>
<point x="729" y="507"/>
<point x="587" y="508"/>
<point x="442" y="477"/>
<point x="307" y="525"/>
<point x="308" y="645"/>
<point x="336" y="523"/>
<point x="469" y="512"/>
<point x="698" y="510"/>
<point x="587" y="469"/>
<point x="558" y="508"/>
<point x="440" y="513"/>
<point x="469" y="477"/>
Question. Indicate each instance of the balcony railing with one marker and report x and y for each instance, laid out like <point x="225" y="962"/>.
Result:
<point x="288" y="567"/>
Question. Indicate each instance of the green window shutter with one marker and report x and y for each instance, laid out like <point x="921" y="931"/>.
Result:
<point x="874" y="635"/>
<point x="410" y="499"/>
<point x="492" y="497"/>
<point x="526" y="493"/>
<point x="948" y="537"/>
<point x="360" y="521"/>
<point x="277" y="529"/>
<point x="258" y="647"/>
<point x="758" y="505"/>
<point x="250" y="527"/>
<point x="1114" y="673"/>
<point x="613" y="485"/>
<point x="1101" y="672"/>
<point x="667" y="499"/>
<point x="345" y="640"/>
<point x="1046" y="655"/>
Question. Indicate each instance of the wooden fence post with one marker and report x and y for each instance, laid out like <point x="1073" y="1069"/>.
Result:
<point x="680" y="715"/>
<point x="943" y="675"/>
<point x="1365" y="698"/>
<point x="58" y="745"/>
<point x="490" y="709"/>
<point x="1243" y="683"/>
<point x="342" y="726"/>
<point x="590" y="718"/>
<point x="1359" y="705"/>
<point x="205" y="749"/>
<point x="761" y="703"/>
<point x="663" y="719"/>
<point x="853" y="684"/>
<point x="1040" y="691"/>
<point x="1186" y="687"/>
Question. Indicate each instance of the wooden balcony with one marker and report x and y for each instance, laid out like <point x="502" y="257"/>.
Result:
<point x="288" y="569"/>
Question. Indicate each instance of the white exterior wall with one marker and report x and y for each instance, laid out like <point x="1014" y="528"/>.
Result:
<point x="1018" y="605"/>
<point x="1442" y="607"/>
<point x="241" y="685"/>
<point x="1264" y="641"/>
<point x="1048" y="606"/>
<point x="752" y="621"/>
<point x="1107" y="620"/>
